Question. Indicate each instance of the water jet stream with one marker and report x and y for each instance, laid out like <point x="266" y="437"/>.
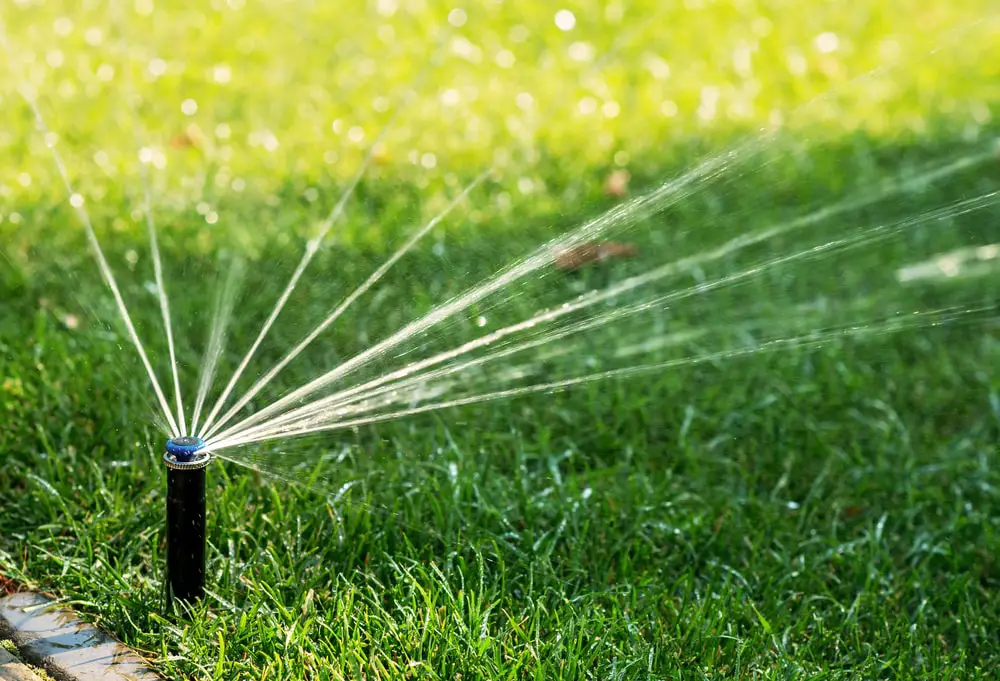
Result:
<point x="161" y="293"/>
<point x="332" y="406"/>
<point x="77" y="202"/>
<point x="626" y="214"/>
<point x="222" y="314"/>
<point x="669" y="269"/>
<point x="813" y="339"/>
<point x="147" y="207"/>
<point x="347" y="302"/>
<point x="312" y="247"/>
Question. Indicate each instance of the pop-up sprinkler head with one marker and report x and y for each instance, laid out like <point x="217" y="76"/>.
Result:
<point x="186" y="460"/>
<point x="186" y="452"/>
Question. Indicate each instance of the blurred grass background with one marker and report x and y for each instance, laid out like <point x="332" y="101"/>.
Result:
<point x="251" y="103"/>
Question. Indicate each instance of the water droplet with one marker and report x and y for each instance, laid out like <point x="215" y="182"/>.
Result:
<point x="743" y="60"/>
<point x="565" y="20"/>
<point x="481" y="322"/>
<point x="465" y="49"/>
<point x="988" y="252"/>
<point x="827" y="42"/>
<point x="93" y="36"/>
<point x="949" y="265"/>
<point x="797" y="64"/>
<point x="222" y="74"/>
<point x="761" y="27"/>
<point x="76" y="201"/>
<point x="62" y="26"/>
<point x="581" y="51"/>
<point x="157" y="67"/>
<point x="708" y="106"/>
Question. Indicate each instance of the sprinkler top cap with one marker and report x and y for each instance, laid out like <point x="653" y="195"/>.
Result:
<point x="185" y="449"/>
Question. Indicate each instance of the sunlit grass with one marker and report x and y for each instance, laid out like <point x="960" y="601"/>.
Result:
<point x="826" y="514"/>
<point x="231" y="101"/>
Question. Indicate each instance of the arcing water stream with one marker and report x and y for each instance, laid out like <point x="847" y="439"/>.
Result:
<point x="432" y="363"/>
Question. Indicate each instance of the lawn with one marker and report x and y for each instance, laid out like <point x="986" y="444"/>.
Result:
<point x="789" y="469"/>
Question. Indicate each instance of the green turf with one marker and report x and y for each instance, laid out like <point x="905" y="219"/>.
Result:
<point x="827" y="512"/>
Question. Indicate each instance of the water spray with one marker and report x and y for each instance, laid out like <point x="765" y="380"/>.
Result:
<point x="186" y="461"/>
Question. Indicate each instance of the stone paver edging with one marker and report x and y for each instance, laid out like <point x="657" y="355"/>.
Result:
<point x="12" y="669"/>
<point x="68" y="648"/>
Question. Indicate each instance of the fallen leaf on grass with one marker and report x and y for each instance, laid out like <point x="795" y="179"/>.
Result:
<point x="191" y="136"/>
<point x="592" y="253"/>
<point x="616" y="184"/>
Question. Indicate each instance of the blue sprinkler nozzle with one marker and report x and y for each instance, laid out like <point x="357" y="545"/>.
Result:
<point x="185" y="449"/>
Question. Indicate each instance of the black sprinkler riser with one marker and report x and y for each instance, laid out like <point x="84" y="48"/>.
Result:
<point x="186" y="518"/>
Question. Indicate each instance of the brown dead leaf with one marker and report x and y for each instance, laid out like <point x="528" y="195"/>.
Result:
<point x="191" y="136"/>
<point x="592" y="253"/>
<point x="182" y="141"/>
<point x="616" y="184"/>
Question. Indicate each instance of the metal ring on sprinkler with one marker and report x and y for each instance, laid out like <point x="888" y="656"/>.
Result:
<point x="185" y="453"/>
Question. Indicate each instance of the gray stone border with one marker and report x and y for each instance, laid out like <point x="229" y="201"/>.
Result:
<point x="12" y="669"/>
<point x="67" y="648"/>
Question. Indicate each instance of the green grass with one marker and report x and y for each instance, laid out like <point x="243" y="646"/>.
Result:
<point x="824" y="512"/>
